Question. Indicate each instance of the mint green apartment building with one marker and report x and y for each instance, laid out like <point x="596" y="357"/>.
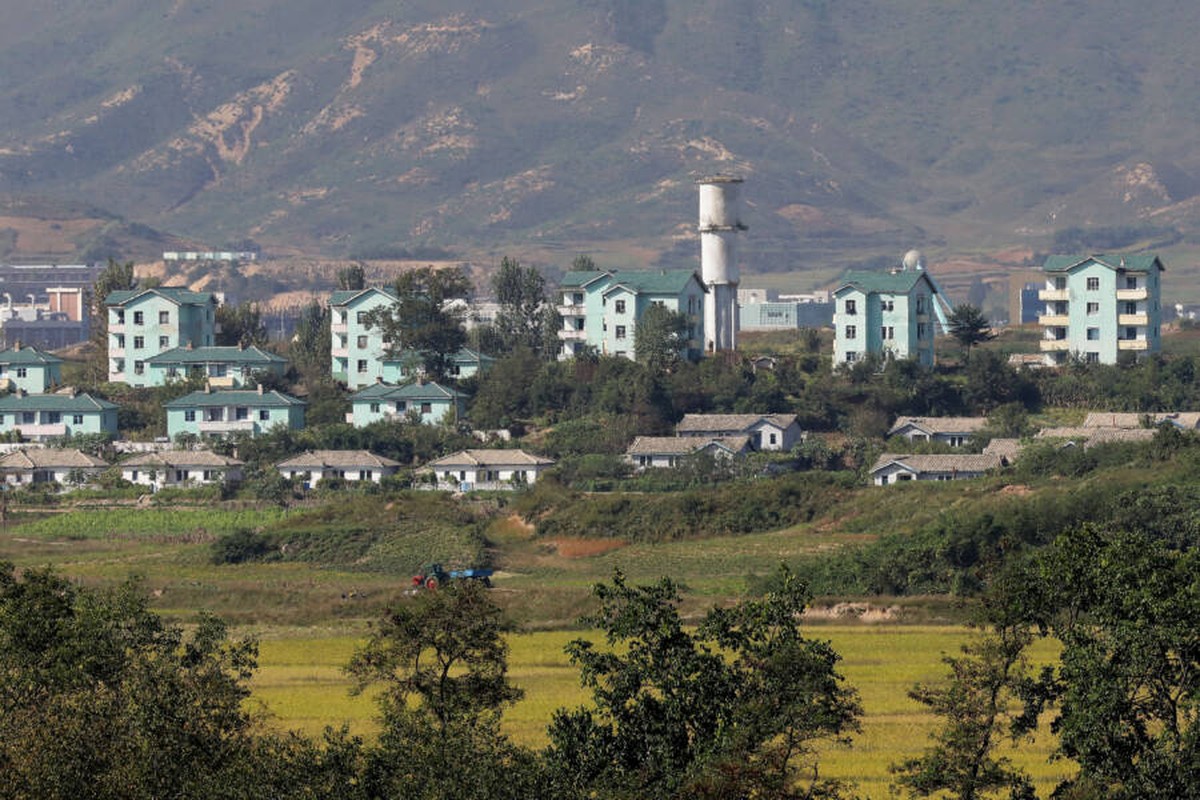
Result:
<point x="219" y="413"/>
<point x="425" y="402"/>
<point x="889" y="314"/>
<point x="357" y="347"/>
<point x="223" y="367"/>
<point x="29" y="369"/>
<point x="39" y="417"/>
<point x="601" y="309"/>
<point x="1098" y="307"/>
<point x="143" y="323"/>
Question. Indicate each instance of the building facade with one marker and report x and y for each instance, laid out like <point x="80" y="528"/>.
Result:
<point x="486" y="469"/>
<point x="347" y="465"/>
<point x="29" y="369"/>
<point x="222" y="367"/>
<point x="219" y="413"/>
<point x="1100" y="306"/>
<point x="165" y="468"/>
<point x="601" y="310"/>
<point x="142" y="323"/>
<point x="39" y="417"/>
<point x="887" y="314"/>
<point x="425" y="402"/>
<point x="357" y="348"/>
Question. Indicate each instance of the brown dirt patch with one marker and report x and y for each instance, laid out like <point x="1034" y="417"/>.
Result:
<point x="586" y="548"/>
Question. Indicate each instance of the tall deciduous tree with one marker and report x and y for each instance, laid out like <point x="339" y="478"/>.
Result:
<point x="661" y="335"/>
<point x="115" y="277"/>
<point x="352" y="278"/>
<point x="423" y="319"/>
<point x="730" y="710"/>
<point x="521" y="293"/>
<point x="240" y="325"/>
<point x="440" y="662"/>
<point x="312" y="342"/>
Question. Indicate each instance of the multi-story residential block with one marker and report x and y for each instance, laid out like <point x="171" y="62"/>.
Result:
<point x="218" y="413"/>
<point x="143" y="323"/>
<point x="1098" y="307"/>
<point x="223" y="367"/>
<point x="888" y="314"/>
<point x="426" y="402"/>
<point x="29" y="369"/>
<point x="602" y="309"/>
<point x="39" y="417"/>
<point x="357" y="348"/>
<point x="407" y="366"/>
<point x="347" y="465"/>
<point x="164" y="468"/>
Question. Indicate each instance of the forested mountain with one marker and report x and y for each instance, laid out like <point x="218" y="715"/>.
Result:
<point x="364" y="127"/>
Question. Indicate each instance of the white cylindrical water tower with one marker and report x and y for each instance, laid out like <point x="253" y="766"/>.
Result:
<point x="720" y="224"/>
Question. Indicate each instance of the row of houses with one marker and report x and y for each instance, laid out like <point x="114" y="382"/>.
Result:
<point x="465" y="470"/>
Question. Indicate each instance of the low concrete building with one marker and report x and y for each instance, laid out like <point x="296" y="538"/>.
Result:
<point x="29" y="369"/>
<point x="766" y="431"/>
<point x="223" y="367"/>
<point x="954" y="431"/>
<point x="348" y="465"/>
<point x="487" y="469"/>
<point x="425" y="402"/>
<point x="668" y="451"/>
<point x="39" y="417"/>
<point x="897" y="468"/>
<point x="219" y="413"/>
<point x="1185" y="420"/>
<point x="181" y="468"/>
<point x="69" y="468"/>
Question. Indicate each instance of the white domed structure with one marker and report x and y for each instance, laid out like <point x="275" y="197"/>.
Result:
<point x="913" y="260"/>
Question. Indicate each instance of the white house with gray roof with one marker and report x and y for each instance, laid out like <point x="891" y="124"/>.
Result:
<point x="486" y="469"/>
<point x="954" y="431"/>
<point x="66" y="467"/>
<point x="669" y="451"/>
<point x="348" y="465"/>
<point x="898" y="468"/>
<point x="181" y="468"/>
<point x="766" y="431"/>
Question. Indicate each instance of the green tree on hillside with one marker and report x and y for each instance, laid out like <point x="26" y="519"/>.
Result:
<point x="352" y="278"/>
<point x="521" y="293"/>
<point x="115" y="277"/>
<point x="240" y="325"/>
<point x="661" y="335"/>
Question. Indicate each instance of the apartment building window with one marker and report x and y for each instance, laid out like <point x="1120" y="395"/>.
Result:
<point x="361" y="318"/>
<point x="138" y="318"/>
<point x="22" y="372"/>
<point x="851" y="306"/>
<point x="1093" y="284"/>
<point x="619" y="306"/>
<point x="1060" y="283"/>
<point x="1091" y="358"/>
<point x="887" y="305"/>
<point x="1093" y="308"/>
<point x="189" y="416"/>
<point x="361" y="365"/>
<point x="164" y="342"/>
<point x="577" y="299"/>
<point x="241" y="413"/>
<point x="920" y="330"/>
<point x="164" y="318"/>
<point x="53" y="417"/>
<point x="120" y="317"/>
<point x="1131" y="308"/>
<point x="851" y="331"/>
<point x="620" y="331"/>
<point x="426" y="408"/>
<point x="121" y="341"/>
<point x="28" y="417"/>
<point x="1093" y="334"/>
<point x="139" y="342"/>
<point x="1131" y="333"/>
<point x="264" y="415"/>
<point x="851" y="356"/>
<point x="139" y="367"/>
<point x="691" y="305"/>
<point x="1130" y="282"/>
<point x="920" y="304"/>
<point x="887" y="332"/>
<point x="362" y="343"/>
<point x="77" y="419"/>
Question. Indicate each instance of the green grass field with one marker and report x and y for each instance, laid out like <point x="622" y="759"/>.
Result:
<point x="302" y="687"/>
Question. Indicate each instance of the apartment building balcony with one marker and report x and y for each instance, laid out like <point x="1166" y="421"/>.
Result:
<point x="1054" y="295"/>
<point x="46" y="429"/>
<point x="222" y="381"/>
<point x="224" y="425"/>
<point x="1054" y="345"/>
<point x="1133" y="319"/>
<point x="572" y="311"/>
<point x="338" y="327"/>
<point x="1053" y="320"/>
<point x="340" y="352"/>
<point x="1133" y="294"/>
<point x="572" y="335"/>
<point x="116" y="327"/>
<point x="116" y="352"/>
<point x="1135" y="345"/>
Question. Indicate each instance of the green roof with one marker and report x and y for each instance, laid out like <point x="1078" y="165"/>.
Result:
<point x="54" y="402"/>
<point x="661" y="281"/>
<point x="225" y="355"/>
<point x="407" y="391"/>
<point x="1132" y="263"/>
<point x="581" y="278"/>
<point x="464" y="356"/>
<point x="898" y="282"/>
<point x="345" y="296"/>
<point x="176" y="294"/>
<point x="25" y="354"/>
<point x="245" y="397"/>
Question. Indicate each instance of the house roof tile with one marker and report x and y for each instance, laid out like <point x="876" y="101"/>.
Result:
<point x="679" y="446"/>
<point x="173" y="459"/>
<point x="219" y="354"/>
<point x="945" y="425"/>
<point x="966" y="462"/>
<point x="1114" y="261"/>
<point x="720" y="423"/>
<point x="49" y="458"/>
<point x="336" y="459"/>
<point x="246" y="397"/>
<point x="491" y="458"/>
<point x="81" y="402"/>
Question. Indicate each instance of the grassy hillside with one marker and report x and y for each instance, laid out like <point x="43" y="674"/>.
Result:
<point x="368" y="127"/>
